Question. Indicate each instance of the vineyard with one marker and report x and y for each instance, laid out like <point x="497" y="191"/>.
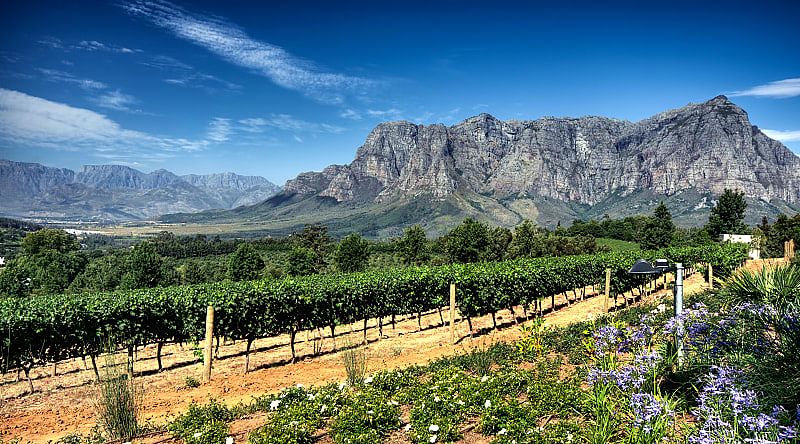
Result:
<point x="46" y="329"/>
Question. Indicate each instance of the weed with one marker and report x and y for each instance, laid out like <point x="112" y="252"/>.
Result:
<point x="355" y="364"/>
<point x="117" y="402"/>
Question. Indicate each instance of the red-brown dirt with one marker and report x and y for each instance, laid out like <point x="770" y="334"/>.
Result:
<point x="63" y="404"/>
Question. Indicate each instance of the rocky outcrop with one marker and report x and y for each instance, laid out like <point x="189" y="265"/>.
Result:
<point x="701" y="147"/>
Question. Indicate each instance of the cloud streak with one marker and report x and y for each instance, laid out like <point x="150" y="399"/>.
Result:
<point x="780" y="89"/>
<point x="232" y="44"/>
<point x="27" y="120"/>
<point x="782" y="136"/>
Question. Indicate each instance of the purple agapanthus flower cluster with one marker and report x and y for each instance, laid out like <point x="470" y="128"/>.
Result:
<point x="730" y="412"/>
<point x="647" y="409"/>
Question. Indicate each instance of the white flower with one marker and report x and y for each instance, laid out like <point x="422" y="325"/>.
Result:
<point x="274" y="404"/>
<point x="487" y="404"/>
<point x="569" y="437"/>
<point x="460" y="402"/>
<point x="370" y="412"/>
<point x="502" y="431"/>
<point x="197" y="435"/>
<point x="299" y="386"/>
<point x="342" y="385"/>
<point x="433" y="439"/>
<point x="485" y="378"/>
<point x="407" y="427"/>
<point x="311" y="396"/>
<point x="368" y="379"/>
<point x="229" y="440"/>
<point x="436" y="399"/>
<point x="393" y="402"/>
<point x="433" y="428"/>
<point x="323" y="408"/>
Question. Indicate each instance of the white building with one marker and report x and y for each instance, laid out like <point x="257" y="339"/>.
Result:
<point x="754" y="253"/>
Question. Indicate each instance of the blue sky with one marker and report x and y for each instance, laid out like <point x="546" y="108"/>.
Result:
<point x="277" y="88"/>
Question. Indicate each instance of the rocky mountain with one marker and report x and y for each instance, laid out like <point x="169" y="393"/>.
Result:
<point x="547" y="170"/>
<point x="119" y="193"/>
<point x="232" y="189"/>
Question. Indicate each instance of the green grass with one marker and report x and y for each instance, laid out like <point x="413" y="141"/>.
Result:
<point x="617" y="245"/>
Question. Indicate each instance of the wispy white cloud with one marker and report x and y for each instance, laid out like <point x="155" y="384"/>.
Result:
<point x="780" y="89"/>
<point x="53" y="75"/>
<point x="185" y="75"/>
<point x="219" y="129"/>
<point x="27" y="120"/>
<point x="117" y="100"/>
<point x="233" y="44"/>
<point x="391" y="113"/>
<point x="286" y="122"/>
<point x="782" y="136"/>
<point x="51" y="42"/>
<point x="94" y="45"/>
<point x="350" y="114"/>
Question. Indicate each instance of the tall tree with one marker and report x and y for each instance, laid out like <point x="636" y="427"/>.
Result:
<point x="413" y="246"/>
<point x="352" y="254"/>
<point x="315" y="238"/>
<point x="142" y="267"/>
<point x="302" y="262"/>
<point x="48" y="262"/>
<point x="468" y="241"/>
<point x="526" y="241"/>
<point x="499" y="240"/>
<point x="727" y="216"/>
<point x="659" y="230"/>
<point x="245" y="263"/>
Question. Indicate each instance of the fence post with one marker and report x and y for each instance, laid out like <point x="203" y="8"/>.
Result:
<point x="452" y="313"/>
<point x="608" y="289"/>
<point x="710" y="276"/>
<point x="207" y="355"/>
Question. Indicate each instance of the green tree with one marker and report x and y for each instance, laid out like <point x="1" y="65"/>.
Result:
<point x="47" y="240"/>
<point x="659" y="230"/>
<point x="302" y="262"/>
<point x="244" y="264"/>
<point x="727" y="216"/>
<point x="468" y="241"/>
<point x="101" y="274"/>
<point x="142" y="267"/>
<point x="499" y="241"/>
<point x="48" y="262"/>
<point x="526" y="241"/>
<point x="192" y="272"/>
<point x="413" y="246"/>
<point x="352" y="254"/>
<point x="315" y="238"/>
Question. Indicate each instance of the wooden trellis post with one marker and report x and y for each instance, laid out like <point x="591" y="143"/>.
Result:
<point x="608" y="289"/>
<point x="452" y="313"/>
<point x="207" y="354"/>
<point x="710" y="276"/>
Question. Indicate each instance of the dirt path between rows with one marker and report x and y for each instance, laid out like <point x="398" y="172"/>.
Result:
<point x="63" y="404"/>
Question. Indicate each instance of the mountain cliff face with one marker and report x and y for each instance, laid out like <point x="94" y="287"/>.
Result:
<point x="548" y="170"/>
<point x="119" y="193"/>
<point x="705" y="147"/>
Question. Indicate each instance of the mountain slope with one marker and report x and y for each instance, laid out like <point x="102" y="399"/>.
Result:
<point x="119" y="193"/>
<point x="548" y="170"/>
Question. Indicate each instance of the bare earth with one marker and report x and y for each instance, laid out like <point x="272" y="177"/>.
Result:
<point x="63" y="404"/>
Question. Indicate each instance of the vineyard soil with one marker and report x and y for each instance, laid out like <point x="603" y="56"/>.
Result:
<point x="63" y="403"/>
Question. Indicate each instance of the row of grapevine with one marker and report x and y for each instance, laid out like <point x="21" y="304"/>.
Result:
<point x="44" y="329"/>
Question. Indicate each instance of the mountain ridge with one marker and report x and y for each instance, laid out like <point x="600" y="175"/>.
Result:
<point x="119" y="193"/>
<point x="549" y="170"/>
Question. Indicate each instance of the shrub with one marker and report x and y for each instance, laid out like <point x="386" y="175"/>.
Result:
<point x="203" y="424"/>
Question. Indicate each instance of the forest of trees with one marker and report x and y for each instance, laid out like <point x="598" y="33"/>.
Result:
<point x="45" y="260"/>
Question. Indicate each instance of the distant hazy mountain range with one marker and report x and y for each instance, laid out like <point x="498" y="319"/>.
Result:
<point x="120" y="193"/>
<point x="547" y="170"/>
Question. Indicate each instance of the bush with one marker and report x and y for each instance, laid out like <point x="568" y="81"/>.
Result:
<point x="203" y="424"/>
